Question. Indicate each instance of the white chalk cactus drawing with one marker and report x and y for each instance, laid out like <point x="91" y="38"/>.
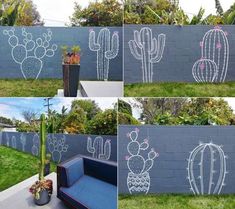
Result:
<point x="13" y="142"/>
<point x="99" y="148"/>
<point x="23" y="141"/>
<point x="29" y="54"/>
<point x="8" y="140"/>
<point x="138" y="179"/>
<point x="203" y="179"/>
<point x="213" y="65"/>
<point x="0" y="138"/>
<point x="147" y="49"/>
<point x="57" y="147"/>
<point x="107" y="48"/>
<point x="36" y="144"/>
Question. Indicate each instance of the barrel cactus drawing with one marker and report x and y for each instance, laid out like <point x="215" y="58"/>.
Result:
<point x="215" y="47"/>
<point x="107" y="48"/>
<point x="207" y="169"/>
<point x="147" y="49"/>
<point x="205" y="70"/>
<point x="138" y="180"/>
<point x="99" y="148"/>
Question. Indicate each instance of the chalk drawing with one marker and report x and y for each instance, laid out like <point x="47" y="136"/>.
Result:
<point x="36" y="144"/>
<point x="107" y="48"/>
<point x="138" y="179"/>
<point x="207" y="180"/>
<point x="213" y="65"/>
<point x="29" y="54"/>
<point x="147" y="49"/>
<point x="99" y="148"/>
<point x="23" y="141"/>
<point x="57" y="147"/>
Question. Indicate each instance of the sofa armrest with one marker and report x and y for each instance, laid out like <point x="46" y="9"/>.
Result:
<point x="103" y="170"/>
<point x="69" y="172"/>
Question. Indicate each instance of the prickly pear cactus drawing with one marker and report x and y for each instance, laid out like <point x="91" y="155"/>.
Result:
<point x="147" y="49"/>
<point x="138" y="180"/>
<point x="29" y="54"/>
<point x="99" y="148"/>
<point x="207" y="169"/>
<point x="13" y="142"/>
<point x="107" y="48"/>
<point x="57" y="147"/>
<point x="36" y="144"/>
<point x="23" y="141"/>
<point x="213" y="65"/>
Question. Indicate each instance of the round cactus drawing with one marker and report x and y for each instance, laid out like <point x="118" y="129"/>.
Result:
<point x="207" y="169"/>
<point x="138" y="179"/>
<point x="29" y="54"/>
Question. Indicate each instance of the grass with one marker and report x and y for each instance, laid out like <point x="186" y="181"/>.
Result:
<point x="180" y="90"/>
<point x="16" y="166"/>
<point x="169" y="201"/>
<point x="30" y="88"/>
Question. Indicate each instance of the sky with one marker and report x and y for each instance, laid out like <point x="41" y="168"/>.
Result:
<point x="13" y="107"/>
<point x="57" y="12"/>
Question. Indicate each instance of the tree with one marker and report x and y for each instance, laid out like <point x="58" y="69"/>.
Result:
<point x="29" y="116"/>
<point x="104" y="13"/>
<point x="104" y="123"/>
<point x="219" y="8"/>
<point x="124" y="107"/>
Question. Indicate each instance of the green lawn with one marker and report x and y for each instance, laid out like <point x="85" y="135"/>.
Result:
<point x="16" y="166"/>
<point x="176" y="202"/>
<point x="30" y="88"/>
<point x="180" y="90"/>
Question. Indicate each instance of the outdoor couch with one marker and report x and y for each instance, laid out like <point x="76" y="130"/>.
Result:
<point x="87" y="183"/>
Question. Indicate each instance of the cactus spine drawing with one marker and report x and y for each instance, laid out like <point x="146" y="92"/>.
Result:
<point x="138" y="179"/>
<point x="106" y="47"/>
<point x="147" y="49"/>
<point x="205" y="179"/>
<point x="99" y="148"/>
<point x="213" y="65"/>
<point x="29" y="54"/>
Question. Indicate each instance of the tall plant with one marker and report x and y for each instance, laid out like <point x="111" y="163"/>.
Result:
<point x="219" y="8"/>
<point x="43" y="147"/>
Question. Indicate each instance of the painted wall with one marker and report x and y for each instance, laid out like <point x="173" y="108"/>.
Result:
<point x="171" y="159"/>
<point x="178" y="54"/>
<point x="63" y="146"/>
<point x="34" y="52"/>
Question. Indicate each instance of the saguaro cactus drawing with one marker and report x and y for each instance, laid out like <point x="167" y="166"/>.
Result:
<point x="99" y="148"/>
<point x="147" y="49"/>
<point x="57" y="147"/>
<point x="13" y="142"/>
<point x="138" y="179"/>
<point x="106" y="47"/>
<point x="23" y="141"/>
<point x="29" y="54"/>
<point x="203" y="179"/>
<point x="214" y="50"/>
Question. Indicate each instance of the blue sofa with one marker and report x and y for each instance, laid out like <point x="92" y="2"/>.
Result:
<point x="87" y="183"/>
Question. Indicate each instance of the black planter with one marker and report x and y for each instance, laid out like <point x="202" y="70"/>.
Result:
<point x="47" y="169"/>
<point x="44" y="198"/>
<point x="71" y="80"/>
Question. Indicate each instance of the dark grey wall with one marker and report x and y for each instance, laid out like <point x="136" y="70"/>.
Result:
<point x="174" y="144"/>
<point x="61" y="146"/>
<point x="52" y="67"/>
<point x="182" y="50"/>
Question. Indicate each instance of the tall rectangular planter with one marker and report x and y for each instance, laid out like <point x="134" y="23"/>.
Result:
<point x="71" y="80"/>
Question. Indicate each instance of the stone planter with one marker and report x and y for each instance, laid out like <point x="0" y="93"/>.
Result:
<point x="44" y="198"/>
<point x="71" y="79"/>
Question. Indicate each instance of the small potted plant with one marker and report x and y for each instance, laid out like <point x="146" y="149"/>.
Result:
<point x="43" y="188"/>
<point x="47" y="164"/>
<point x="71" y="70"/>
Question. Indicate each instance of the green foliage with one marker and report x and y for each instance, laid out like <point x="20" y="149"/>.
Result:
<point x="124" y="107"/>
<point x="104" y="123"/>
<point x="6" y="121"/>
<point x="99" y="13"/>
<point x="126" y="119"/>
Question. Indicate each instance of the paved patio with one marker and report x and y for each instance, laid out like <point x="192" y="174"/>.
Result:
<point x="19" y="196"/>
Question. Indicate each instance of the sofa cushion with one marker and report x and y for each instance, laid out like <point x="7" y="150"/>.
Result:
<point x="74" y="170"/>
<point x="91" y="193"/>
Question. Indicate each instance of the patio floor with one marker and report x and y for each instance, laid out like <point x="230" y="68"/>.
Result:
<point x="19" y="196"/>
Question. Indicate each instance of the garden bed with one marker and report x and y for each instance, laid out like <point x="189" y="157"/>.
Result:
<point x="16" y="166"/>
<point x="180" y="90"/>
<point x="176" y="202"/>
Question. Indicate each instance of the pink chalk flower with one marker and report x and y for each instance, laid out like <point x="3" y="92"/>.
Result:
<point x="137" y="130"/>
<point x="217" y="27"/>
<point x="218" y="46"/>
<point x="202" y="66"/>
<point x="226" y="33"/>
<point x="128" y="135"/>
<point x="127" y="157"/>
<point x="146" y="140"/>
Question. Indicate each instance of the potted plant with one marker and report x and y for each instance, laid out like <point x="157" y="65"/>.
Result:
<point x="71" y="70"/>
<point x="47" y="164"/>
<point x="43" y="188"/>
